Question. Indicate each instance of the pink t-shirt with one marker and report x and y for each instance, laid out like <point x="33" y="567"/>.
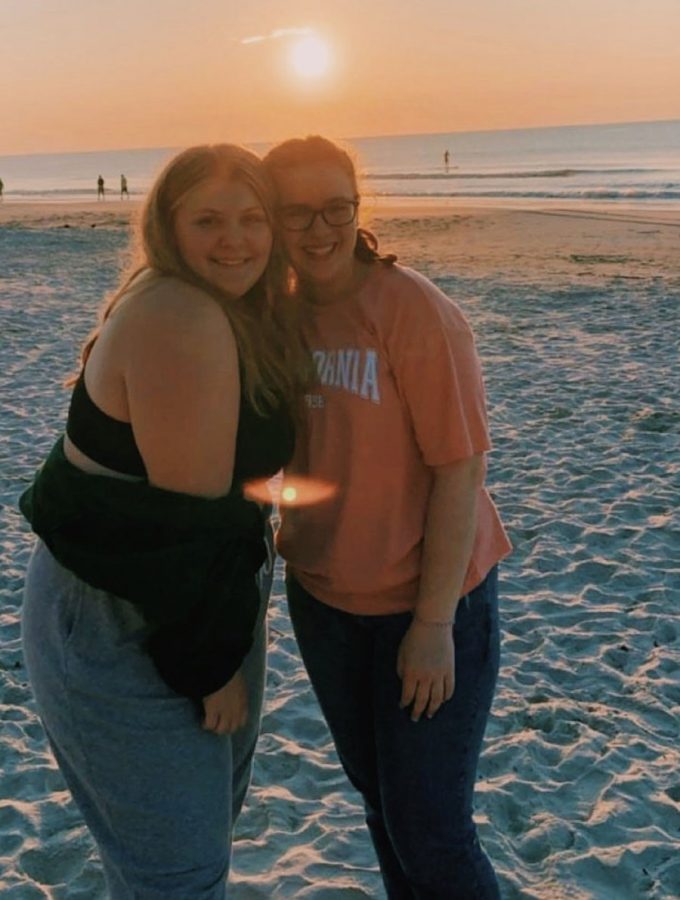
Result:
<point x="400" y="391"/>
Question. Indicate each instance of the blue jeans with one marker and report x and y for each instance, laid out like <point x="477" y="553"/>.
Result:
<point x="416" y="778"/>
<point x="158" y="793"/>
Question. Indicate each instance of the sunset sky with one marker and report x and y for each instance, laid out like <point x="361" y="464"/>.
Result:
<point x="142" y="73"/>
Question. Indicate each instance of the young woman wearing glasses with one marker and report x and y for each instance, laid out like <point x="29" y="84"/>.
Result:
<point x="392" y="581"/>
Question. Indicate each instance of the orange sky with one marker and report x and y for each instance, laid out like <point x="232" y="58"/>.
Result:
<point x="140" y="73"/>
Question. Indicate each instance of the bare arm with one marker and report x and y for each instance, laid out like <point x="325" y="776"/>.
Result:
<point x="426" y="660"/>
<point x="183" y="393"/>
<point x="449" y="536"/>
<point x="182" y="384"/>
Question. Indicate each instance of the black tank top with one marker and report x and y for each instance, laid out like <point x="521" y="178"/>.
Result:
<point x="264" y="444"/>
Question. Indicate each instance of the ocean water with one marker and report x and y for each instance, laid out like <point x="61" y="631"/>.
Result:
<point x="632" y="163"/>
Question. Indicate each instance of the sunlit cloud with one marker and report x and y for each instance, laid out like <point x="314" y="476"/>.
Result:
<point x="275" y="35"/>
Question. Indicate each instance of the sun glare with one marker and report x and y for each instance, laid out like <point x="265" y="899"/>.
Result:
<point x="292" y="490"/>
<point x="310" y="57"/>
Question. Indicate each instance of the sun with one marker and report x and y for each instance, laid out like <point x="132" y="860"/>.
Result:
<point x="310" y="57"/>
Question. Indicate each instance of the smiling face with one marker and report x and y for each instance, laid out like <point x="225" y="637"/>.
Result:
<point x="323" y="255"/>
<point x="223" y="234"/>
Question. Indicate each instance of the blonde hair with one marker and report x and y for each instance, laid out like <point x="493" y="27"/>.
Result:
<point x="275" y="365"/>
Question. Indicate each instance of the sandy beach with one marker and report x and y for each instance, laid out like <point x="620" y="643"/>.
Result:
<point x="577" y="313"/>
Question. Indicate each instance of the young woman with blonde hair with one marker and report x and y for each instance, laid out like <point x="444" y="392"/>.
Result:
<point x="143" y="625"/>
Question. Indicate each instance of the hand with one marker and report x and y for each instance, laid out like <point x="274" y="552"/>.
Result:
<point x="226" y="710"/>
<point x="426" y="666"/>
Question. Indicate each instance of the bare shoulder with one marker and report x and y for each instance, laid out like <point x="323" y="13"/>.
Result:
<point x="167" y="310"/>
<point x="168" y="298"/>
<point x="179" y="363"/>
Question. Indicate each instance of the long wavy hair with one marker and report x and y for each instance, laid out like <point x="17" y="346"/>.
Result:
<point x="274" y="362"/>
<point x="315" y="149"/>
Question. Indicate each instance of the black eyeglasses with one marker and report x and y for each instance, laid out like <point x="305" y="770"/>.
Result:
<point x="301" y="218"/>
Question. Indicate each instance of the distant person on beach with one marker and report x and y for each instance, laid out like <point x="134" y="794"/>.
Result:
<point x="392" y="583"/>
<point x="2" y="188"/>
<point x="123" y="187"/>
<point x="100" y="188"/>
<point x="143" y="622"/>
<point x="446" y="159"/>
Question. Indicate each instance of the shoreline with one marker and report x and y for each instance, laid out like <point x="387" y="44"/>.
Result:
<point x="77" y="213"/>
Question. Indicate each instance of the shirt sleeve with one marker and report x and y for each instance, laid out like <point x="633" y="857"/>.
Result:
<point x="433" y="357"/>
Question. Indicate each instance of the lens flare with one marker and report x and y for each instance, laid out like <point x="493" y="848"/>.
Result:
<point x="290" y="491"/>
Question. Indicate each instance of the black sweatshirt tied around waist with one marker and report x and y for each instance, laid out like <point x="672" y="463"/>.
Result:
<point x="188" y="563"/>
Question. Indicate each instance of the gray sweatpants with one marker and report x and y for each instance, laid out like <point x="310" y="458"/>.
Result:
<point x="158" y="793"/>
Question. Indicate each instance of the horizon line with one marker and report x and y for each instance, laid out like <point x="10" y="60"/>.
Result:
<point x="365" y="137"/>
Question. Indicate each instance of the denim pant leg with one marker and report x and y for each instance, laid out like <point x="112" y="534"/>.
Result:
<point x="154" y="788"/>
<point x="337" y="650"/>
<point x="417" y="778"/>
<point x="427" y="769"/>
